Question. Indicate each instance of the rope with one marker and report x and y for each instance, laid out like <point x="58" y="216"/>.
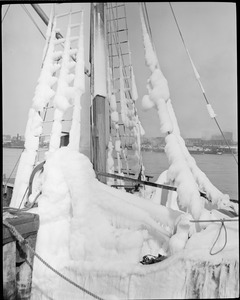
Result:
<point x="225" y="242"/>
<point x="5" y="13"/>
<point x="145" y="14"/>
<point x="23" y="197"/>
<point x="12" y="170"/>
<point x="20" y="238"/>
<point x="222" y="226"/>
<point x="27" y="12"/>
<point x="199" y="82"/>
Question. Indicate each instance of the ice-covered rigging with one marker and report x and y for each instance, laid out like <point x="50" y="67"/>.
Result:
<point x="183" y="171"/>
<point x="62" y="82"/>
<point x="126" y="129"/>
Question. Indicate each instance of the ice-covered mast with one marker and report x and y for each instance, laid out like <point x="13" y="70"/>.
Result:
<point x="183" y="171"/>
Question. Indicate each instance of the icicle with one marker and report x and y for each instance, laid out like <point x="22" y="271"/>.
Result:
<point x="134" y="87"/>
<point x="173" y="118"/>
<point x="147" y="103"/>
<point x="110" y="162"/>
<point x="118" y="145"/>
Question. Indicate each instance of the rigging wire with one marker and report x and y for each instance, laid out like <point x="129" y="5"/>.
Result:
<point x="9" y="177"/>
<point x="199" y="82"/>
<point x="27" y="12"/>
<point x="6" y="13"/>
<point x="145" y="14"/>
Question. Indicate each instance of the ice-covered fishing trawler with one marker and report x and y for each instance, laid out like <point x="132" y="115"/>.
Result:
<point x="96" y="241"/>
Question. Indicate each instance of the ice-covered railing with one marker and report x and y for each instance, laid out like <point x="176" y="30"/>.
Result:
<point x="183" y="171"/>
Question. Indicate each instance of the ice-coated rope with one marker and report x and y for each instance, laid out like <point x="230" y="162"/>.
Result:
<point x="21" y="239"/>
<point x="225" y="242"/>
<point x="209" y="107"/>
<point x="219" y="232"/>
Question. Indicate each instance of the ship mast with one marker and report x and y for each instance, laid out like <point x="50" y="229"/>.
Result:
<point x="98" y="89"/>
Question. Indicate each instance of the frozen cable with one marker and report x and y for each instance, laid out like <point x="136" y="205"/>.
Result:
<point x="225" y="242"/>
<point x="209" y="108"/>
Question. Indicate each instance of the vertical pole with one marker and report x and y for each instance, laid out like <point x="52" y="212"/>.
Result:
<point x="99" y="130"/>
<point x="9" y="271"/>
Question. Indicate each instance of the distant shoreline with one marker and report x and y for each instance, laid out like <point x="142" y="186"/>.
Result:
<point x="13" y="147"/>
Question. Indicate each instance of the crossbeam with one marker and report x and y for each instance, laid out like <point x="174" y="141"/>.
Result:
<point x="157" y="185"/>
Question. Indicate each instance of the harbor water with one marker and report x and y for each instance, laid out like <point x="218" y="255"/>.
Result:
<point x="222" y="170"/>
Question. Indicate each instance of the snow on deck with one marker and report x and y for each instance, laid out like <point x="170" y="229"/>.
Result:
<point x="97" y="235"/>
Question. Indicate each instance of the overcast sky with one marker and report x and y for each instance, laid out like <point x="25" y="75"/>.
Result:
<point x="209" y="30"/>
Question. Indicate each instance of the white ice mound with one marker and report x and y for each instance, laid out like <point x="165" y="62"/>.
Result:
<point x="96" y="236"/>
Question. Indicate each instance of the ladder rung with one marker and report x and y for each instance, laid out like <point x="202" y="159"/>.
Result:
<point x="119" y="30"/>
<point x="74" y="38"/>
<point x="53" y="121"/>
<point x="116" y="19"/>
<point x="65" y="14"/>
<point x="127" y="66"/>
<point x="128" y="172"/>
<point x="127" y="77"/>
<point x="118" y="43"/>
<point x="75" y="25"/>
<point x="48" y="107"/>
<point x="127" y="53"/>
<point x="125" y="89"/>
<point x="116" y="6"/>
<point x="59" y="41"/>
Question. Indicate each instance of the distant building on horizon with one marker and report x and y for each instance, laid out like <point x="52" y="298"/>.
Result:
<point x="228" y="136"/>
<point x="7" y="138"/>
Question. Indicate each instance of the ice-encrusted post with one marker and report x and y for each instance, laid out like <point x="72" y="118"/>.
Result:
<point x="99" y="108"/>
